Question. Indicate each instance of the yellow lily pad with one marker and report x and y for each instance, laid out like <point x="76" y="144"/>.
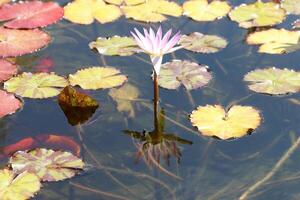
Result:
<point x="275" y="41"/>
<point x="85" y="11"/>
<point x="94" y="78"/>
<point x="125" y="2"/>
<point x="201" y="10"/>
<point x="213" y="120"/>
<point x="257" y="14"/>
<point x="291" y="6"/>
<point x="152" y="10"/>
<point x="18" y="187"/>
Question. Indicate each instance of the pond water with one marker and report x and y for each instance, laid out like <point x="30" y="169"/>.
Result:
<point x="210" y="169"/>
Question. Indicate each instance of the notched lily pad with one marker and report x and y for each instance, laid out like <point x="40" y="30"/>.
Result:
<point x="273" y="81"/>
<point x="115" y="46"/>
<point x="257" y="14"/>
<point x="191" y="75"/>
<point x="47" y="164"/>
<point x="78" y="107"/>
<point x="8" y="103"/>
<point x="7" y="70"/>
<point x="275" y="41"/>
<point x="202" y="10"/>
<point x="39" y="85"/>
<point x="201" y="43"/>
<point x="214" y="121"/>
<point x="94" y="78"/>
<point x="291" y="6"/>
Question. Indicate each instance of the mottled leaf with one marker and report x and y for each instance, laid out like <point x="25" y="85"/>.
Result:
<point x="8" y="103"/>
<point x="191" y="75"/>
<point x="291" y="6"/>
<point x="7" y="70"/>
<point x="273" y="81"/>
<point x="213" y="120"/>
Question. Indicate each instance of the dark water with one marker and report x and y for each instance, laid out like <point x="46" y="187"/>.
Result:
<point x="211" y="169"/>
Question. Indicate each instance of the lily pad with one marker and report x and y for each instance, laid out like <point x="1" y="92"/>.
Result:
<point x="213" y="120"/>
<point x="7" y="70"/>
<point x="85" y="11"/>
<point x="20" y="42"/>
<point x="291" y="6"/>
<point x="202" y="10"/>
<point x="4" y="2"/>
<point x="275" y="41"/>
<point x="125" y="2"/>
<point x="18" y="187"/>
<point x="296" y="24"/>
<point x="201" y="43"/>
<point x="115" y="46"/>
<point x="191" y="75"/>
<point x="257" y="14"/>
<point x="273" y="81"/>
<point x="152" y="10"/>
<point x="94" y="78"/>
<point x="47" y="164"/>
<point x="39" y="85"/>
<point x="124" y="97"/>
<point x="8" y="103"/>
<point x="30" y="14"/>
<point x="78" y="107"/>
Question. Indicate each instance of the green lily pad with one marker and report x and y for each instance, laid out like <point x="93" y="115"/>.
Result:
<point x="115" y="46"/>
<point x="191" y="75"/>
<point x="291" y="6"/>
<point x="273" y="81"/>
<point x="39" y="85"/>
<point x="257" y="14"/>
<point x="201" y="43"/>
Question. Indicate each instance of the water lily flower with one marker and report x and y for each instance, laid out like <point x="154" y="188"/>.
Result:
<point x="156" y="45"/>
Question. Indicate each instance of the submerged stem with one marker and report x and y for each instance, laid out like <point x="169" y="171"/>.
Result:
<point x="155" y="101"/>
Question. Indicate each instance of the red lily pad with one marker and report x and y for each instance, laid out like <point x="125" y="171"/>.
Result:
<point x="7" y="70"/>
<point x="19" y="42"/>
<point x="8" y="103"/>
<point x="30" y="14"/>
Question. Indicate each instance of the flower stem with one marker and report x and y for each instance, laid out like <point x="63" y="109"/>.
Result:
<point x="155" y="101"/>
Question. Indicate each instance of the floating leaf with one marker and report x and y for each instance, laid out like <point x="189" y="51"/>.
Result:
<point x="20" y="42"/>
<point x="201" y="10"/>
<point x="47" y="164"/>
<point x="39" y="85"/>
<point x="275" y="41"/>
<point x="4" y="2"/>
<point x="18" y="187"/>
<point x="152" y="10"/>
<point x="257" y="14"/>
<point x="291" y="6"/>
<point x="126" y="2"/>
<point x="78" y="107"/>
<point x="213" y="120"/>
<point x="124" y="97"/>
<point x="84" y="11"/>
<point x="273" y="81"/>
<point x="201" y="43"/>
<point x="116" y="45"/>
<point x="191" y="75"/>
<point x="30" y="14"/>
<point x="296" y="24"/>
<point x="7" y="70"/>
<point x="8" y="103"/>
<point x="94" y="78"/>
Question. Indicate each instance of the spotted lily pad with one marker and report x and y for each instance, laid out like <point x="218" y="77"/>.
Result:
<point x="15" y="186"/>
<point x="273" y="81"/>
<point x="202" y="10"/>
<point x="30" y="14"/>
<point x="275" y="41"/>
<point x="39" y="85"/>
<point x="7" y="70"/>
<point x="94" y="78"/>
<point x="257" y="14"/>
<point x="152" y="10"/>
<point x="291" y="6"/>
<point x="47" y="164"/>
<point x="20" y="42"/>
<point x="191" y="75"/>
<point x="201" y="43"/>
<point x="124" y="97"/>
<point x="85" y="11"/>
<point x="8" y="103"/>
<point x="116" y="45"/>
<point x="213" y="120"/>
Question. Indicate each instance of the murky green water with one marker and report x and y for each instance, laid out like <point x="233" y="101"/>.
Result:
<point x="211" y="169"/>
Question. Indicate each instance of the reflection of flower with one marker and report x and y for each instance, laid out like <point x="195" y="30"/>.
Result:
<point x="156" y="45"/>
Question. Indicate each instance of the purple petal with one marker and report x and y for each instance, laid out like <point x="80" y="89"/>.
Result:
<point x="165" y="39"/>
<point x="172" y="42"/>
<point x="137" y="40"/>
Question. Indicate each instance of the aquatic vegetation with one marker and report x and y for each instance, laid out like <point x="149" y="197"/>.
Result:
<point x="291" y="6"/>
<point x="8" y="103"/>
<point x="7" y="70"/>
